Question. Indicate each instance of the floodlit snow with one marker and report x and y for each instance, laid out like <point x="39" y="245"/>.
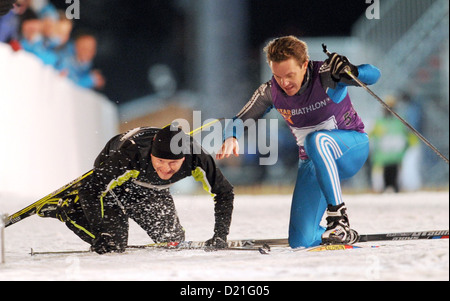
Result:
<point x="254" y="217"/>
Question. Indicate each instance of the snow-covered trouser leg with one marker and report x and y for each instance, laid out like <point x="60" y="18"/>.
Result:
<point x="115" y="223"/>
<point x="333" y="155"/>
<point x="156" y="214"/>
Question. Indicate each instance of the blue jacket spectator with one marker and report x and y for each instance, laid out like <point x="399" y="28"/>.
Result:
<point x="78" y="66"/>
<point x="32" y="40"/>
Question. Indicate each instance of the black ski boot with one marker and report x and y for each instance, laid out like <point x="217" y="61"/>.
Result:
<point x="338" y="227"/>
<point x="58" y="208"/>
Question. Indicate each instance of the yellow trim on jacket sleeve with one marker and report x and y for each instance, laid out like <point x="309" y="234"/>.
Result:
<point x="200" y="176"/>
<point x="117" y="182"/>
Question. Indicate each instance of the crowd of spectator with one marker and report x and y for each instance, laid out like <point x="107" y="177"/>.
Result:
<point x="39" y="28"/>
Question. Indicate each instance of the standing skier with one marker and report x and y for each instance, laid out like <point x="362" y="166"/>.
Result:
<point x="131" y="179"/>
<point x="312" y="97"/>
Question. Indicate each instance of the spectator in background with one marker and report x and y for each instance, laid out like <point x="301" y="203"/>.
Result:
<point x="32" y="39"/>
<point x="78" y="66"/>
<point x="9" y="27"/>
<point x="10" y="22"/>
<point x="50" y="21"/>
<point x="410" y="108"/>
<point x="389" y="143"/>
<point x="44" y="9"/>
<point x="37" y="27"/>
<point x="6" y="6"/>
<point x="63" y="33"/>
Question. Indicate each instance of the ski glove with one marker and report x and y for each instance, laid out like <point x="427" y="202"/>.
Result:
<point x="6" y="6"/>
<point x="338" y="64"/>
<point x="104" y="243"/>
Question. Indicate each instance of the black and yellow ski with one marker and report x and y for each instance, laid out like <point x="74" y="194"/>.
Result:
<point x="58" y="196"/>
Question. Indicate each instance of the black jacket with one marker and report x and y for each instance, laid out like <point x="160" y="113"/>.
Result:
<point x="124" y="169"/>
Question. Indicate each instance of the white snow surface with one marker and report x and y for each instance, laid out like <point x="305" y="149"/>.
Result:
<point x="255" y="216"/>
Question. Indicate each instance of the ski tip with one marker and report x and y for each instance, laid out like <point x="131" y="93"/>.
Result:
<point x="440" y="237"/>
<point x="265" y="249"/>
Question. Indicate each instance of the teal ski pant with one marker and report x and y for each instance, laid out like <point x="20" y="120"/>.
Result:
<point x="332" y="156"/>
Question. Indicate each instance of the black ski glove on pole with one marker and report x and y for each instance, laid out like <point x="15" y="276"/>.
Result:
<point x="337" y="64"/>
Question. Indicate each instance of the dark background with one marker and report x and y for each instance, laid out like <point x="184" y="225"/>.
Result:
<point x="133" y="35"/>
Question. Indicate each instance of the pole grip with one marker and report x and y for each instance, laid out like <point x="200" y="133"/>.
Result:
<point x="325" y="50"/>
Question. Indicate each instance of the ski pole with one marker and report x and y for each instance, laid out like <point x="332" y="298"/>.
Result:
<point x="205" y="125"/>
<point x="199" y="129"/>
<point x="364" y="86"/>
<point x="2" y="237"/>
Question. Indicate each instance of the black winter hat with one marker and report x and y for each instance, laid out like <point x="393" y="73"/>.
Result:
<point x="161" y="147"/>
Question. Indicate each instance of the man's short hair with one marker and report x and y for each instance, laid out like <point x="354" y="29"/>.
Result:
<point x="284" y="48"/>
